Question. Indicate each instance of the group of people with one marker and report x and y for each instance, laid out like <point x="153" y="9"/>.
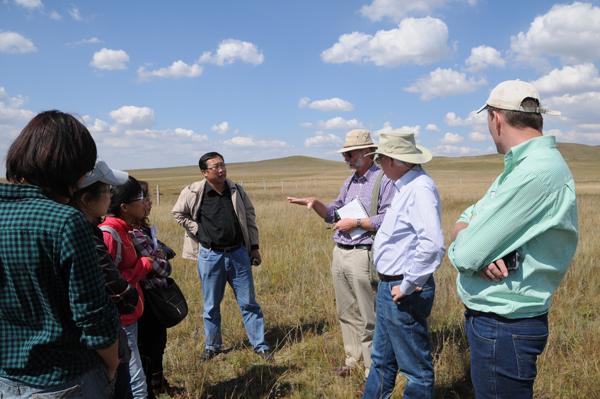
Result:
<point x="74" y="266"/>
<point x="77" y="254"/>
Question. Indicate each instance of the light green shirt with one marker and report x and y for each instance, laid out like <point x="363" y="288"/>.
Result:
<point x="531" y="207"/>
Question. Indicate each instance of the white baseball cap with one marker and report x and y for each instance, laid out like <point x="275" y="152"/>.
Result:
<point x="103" y="173"/>
<point x="509" y="95"/>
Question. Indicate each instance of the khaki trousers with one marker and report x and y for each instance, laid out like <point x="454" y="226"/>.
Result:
<point x="355" y="303"/>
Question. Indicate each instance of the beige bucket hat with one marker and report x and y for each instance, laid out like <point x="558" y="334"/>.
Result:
<point x="357" y="139"/>
<point x="401" y="146"/>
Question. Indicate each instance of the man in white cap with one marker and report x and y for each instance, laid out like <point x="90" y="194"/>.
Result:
<point x="512" y="248"/>
<point x="354" y="289"/>
<point x="408" y="248"/>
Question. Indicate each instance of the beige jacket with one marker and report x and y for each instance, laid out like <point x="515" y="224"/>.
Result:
<point x="186" y="209"/>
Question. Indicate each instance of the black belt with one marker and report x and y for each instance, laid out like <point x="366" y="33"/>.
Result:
<point x="388" y="279"/>
<point x="357" y="246"/>
<point x="217" y="248"/>
<point x="477" y="313"/>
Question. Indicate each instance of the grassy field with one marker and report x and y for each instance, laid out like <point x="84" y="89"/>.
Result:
<point x="294" y="288"/>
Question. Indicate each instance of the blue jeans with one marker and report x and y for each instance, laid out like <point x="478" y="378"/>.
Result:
<point x="401" y="343"/>
<point x="93" y="384"/>
<point x="504" y="354"/>
<point x="137" y="377"/>
<point x="215" y="269"/>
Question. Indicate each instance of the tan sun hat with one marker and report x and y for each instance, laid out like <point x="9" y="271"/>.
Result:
<point x="509" y="95"/>
<point x="357" y="139"/>
<point x="400" y="145"/>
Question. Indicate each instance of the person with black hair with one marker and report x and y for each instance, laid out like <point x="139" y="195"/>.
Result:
<point x="125" y="210"/>
<point x="222" y="236"/>
<point x="58" y="328"/>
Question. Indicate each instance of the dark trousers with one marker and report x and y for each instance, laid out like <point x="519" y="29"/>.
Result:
<point x="152" y="340"/>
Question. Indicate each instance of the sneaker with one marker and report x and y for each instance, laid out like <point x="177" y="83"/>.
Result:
<point x="266" y="354"/>
<point x="209" y="354"/>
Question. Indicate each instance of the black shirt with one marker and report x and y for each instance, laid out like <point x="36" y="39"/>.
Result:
<point x="219" y="226"/>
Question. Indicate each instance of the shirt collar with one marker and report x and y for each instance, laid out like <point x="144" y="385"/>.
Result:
<point x="519" y="152"/>
<point x="373" y="169"/>
<point x="408" y="177"/>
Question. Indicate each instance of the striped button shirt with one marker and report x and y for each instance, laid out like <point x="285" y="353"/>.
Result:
<point x="54" y="311"/>
<point x="530" y="207"/>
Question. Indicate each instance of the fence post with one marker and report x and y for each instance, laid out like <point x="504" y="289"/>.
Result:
<point x="157" y="195"/>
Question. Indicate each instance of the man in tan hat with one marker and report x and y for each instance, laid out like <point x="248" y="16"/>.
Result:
<point x="513" y="247"/>
<point x="354" y="291"/>
<point x="408" y="248"/>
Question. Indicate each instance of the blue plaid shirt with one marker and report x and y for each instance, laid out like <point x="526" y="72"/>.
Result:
<point x="54" y="310"/>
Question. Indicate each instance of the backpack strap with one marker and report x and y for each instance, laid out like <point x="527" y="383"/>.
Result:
<point x="375" y="194"/>
<point x="117" y="239"/>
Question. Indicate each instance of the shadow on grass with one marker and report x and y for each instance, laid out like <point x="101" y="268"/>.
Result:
<point x="461" y="387"/>
<point x="259" y="381"/>
<point x="278" y="336"/>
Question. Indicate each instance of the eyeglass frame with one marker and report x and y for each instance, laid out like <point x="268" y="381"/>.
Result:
<point x="219" y="166"/>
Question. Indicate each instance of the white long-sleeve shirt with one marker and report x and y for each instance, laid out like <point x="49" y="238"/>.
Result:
<point x="410" y="241"/>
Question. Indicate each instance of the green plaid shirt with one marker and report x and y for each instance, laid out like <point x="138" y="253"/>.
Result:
<point x="54" y="310"/>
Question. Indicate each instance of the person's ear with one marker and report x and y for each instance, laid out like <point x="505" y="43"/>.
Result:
<point x="124" y="207"/>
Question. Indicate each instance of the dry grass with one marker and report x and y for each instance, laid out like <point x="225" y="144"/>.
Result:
<point x="294" y="289"/>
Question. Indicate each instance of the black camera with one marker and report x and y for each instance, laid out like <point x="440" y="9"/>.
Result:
<point x="512" y="260"/>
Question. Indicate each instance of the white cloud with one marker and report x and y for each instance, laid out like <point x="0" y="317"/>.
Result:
<point x="12" y="111"/>
<point x="330" y="104"/>
<point x="87" y="40"/>
<point x="478" y="136"/>
<point x="397" y="9"/>
<point x="452" y="138"/>
<point x="131" y="115"/>
<point x="388" y="128"/>
<point x="569" y="79"/>
<point x="75" y="14"/>
<point x="579" y="108"/>
<point x="482" y="57"/>
<point x="221" y="128"/>
<point x="339" y="123"/>
<point x="110" y="59"/>
<point x="176" y="70"/>
<point x="431" y="127"/>
<point x="320" y="139"/>
<point x="231" y="50"/>
<point x="569" y="32"/>
<point x="245" y="141"/>
<point x="96" y="126"/>
<point x="29" y="4"/>
<point x="15" y="43"/>
<point x="479" y="121"/>
<point x="416" y="40"/>
<point x="572" y="136"/>
<point x="444" y="82"/>
<point x="454" y="150"/>
<point x="54" y="15"/>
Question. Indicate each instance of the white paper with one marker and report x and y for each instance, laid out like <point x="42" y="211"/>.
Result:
<point x="154" y="238"/>
<point x="353" y="210"/>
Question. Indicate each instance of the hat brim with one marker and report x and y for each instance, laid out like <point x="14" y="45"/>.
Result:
<point x="357" y="147"/>
<point x="114" y="177"/>
<point x="482" y="108"/>
<point x="424" y="157"/>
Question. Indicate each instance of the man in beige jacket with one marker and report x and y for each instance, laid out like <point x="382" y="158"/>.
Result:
<point x="221" y="234"/>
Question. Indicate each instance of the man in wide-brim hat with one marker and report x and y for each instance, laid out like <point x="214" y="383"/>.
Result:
<point x="354" y="289"/>
<point x="408" y="248"/>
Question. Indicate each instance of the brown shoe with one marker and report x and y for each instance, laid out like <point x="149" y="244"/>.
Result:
<point x="343" y="371"/>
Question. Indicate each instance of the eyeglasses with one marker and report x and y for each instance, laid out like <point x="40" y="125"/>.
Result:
<point x="379" y="158"/>
<point x="348" y="154"/>
<point x="219" y="166"/>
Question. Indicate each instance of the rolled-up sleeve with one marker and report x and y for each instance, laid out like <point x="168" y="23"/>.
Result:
<point x="91" y="308"/>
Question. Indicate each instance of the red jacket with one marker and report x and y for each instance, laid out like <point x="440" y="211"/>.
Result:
<point x="132" y="267"/>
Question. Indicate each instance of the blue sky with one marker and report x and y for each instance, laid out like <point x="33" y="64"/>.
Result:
<point x="160" y="83"/>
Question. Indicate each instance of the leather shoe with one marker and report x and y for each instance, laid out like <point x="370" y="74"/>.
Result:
<point x="209" y="354"/>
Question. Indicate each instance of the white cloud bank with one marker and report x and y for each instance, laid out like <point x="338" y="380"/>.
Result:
<point x="176" y="70"/>
<point x="232" y="50"/>
<point x="15" y="43"/>
<point x="133" y="116"/>
<point x="109" y="59"/>
<point x="398" y="9"/>
<point x="569" y="79"/>
<point x="416" y="40"/>
<point x="221" y="128"/>
<point x="569" y="32"/>
<point x="326" y="105"/>
<point x="251" y="142"/>
<point x="443" y="82"/>
<point x="320" y="139"/>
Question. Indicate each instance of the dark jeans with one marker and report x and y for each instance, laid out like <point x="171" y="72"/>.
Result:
<point x="504" y="354"/>
<point x="401" y="343"/>
<point x="152" y="340"/>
